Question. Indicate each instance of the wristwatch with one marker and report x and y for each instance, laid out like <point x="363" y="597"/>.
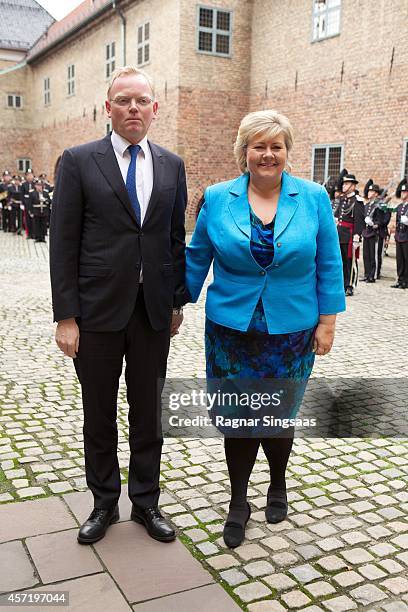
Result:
<point x="178" y="310"/>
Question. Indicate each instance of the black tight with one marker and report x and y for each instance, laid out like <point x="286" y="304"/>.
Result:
<point x="241" y="455"/>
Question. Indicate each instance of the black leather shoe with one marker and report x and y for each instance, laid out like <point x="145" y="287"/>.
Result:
<point x="96" y="525"/>
<point x="277" y="505"/>
<point x="234" y="531"/>
<point x="349" y="291"/>
<point x="370" y="280"/>
<point x="396" y="286"/>
<point x="155" y="523"/>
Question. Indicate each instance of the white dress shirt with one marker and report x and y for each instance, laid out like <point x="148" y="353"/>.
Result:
<point x="144" y="171"/>
<point x="144" y="168"/>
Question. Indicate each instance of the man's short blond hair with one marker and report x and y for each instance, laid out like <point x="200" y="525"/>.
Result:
<point x="269" y="123"/>
<point x="125" y="70"/>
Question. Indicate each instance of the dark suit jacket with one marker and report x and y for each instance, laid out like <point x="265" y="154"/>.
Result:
<point x="97" y="246"/>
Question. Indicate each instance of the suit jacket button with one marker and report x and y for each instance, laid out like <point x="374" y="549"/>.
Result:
<point x="279" y="244"/>
<point x="262" y="272"/>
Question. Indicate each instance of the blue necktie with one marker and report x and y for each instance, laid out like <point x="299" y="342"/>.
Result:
<point x="131" y="181"/>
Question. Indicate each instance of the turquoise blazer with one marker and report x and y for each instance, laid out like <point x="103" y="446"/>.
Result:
<point x="305" y="278"/>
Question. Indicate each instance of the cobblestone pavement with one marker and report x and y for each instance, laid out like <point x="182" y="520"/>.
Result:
<point x="344" y="544"/>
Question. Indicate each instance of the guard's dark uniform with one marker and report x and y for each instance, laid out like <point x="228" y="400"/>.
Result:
<point x="27" y="188"/>
<point x="401" y="236"/>
<point x="370" y="239"/>
<point x="384" y="217"/>
<point x="16" y="198"/>
<point x="5" y="203"/>
<point x="350" y="221"/>
<point x="39" y="207"/>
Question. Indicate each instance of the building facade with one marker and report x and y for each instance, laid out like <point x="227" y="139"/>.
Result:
<point x="336" y="68"/>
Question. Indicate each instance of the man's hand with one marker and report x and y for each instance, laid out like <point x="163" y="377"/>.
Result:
<point x="176" y="321"/>
<point x="324" y="336"/>
<point x="67" y="337"/>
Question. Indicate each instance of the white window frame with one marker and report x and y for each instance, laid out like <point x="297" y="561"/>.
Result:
<point x="110" y="59"/>
<point x="71" y="79"/>
<point x="23" y="164"/>
<point x="214" y="31"/>
<point x="14" y="101"/>
<point x="47" y="91"/>
<point x="324" y="13"/>
<point x="145" y="43"/>
<point x="327" y="147"/>
<point x="404" y="161"/>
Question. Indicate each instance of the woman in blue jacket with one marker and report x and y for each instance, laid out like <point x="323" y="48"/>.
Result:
<point x="277" y="288"/>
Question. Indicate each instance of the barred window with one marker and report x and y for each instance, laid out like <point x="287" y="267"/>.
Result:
<point x="214" y="31"/>
<point x="47" y="91"/>
<point x="109" y="59"/>
<point x="143" y="44"/>
<point x="71" y="80"/>
<point x="24" y="164"/>
<point x="326" y="162"/>
<point x="14" y="101"/>
<point x="326" y="18"/>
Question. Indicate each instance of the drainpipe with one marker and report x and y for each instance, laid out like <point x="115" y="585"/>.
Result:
<point x="123" y="30"/>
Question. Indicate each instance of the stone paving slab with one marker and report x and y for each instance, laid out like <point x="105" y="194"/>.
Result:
<point x="89" y="594"/>
<point x="57" y="556"/>
<point x="29" y="518"/>
<point x="142" y="566"/>
<point x="16" y="571"/>
<point x="211" y="598"/>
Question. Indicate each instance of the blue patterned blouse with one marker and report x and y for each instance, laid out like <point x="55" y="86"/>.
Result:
<point x="262" y="247"/>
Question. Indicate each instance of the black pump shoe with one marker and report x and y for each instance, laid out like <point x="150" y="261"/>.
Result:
<point x="277" y="505"/>
<point x="97" y="523"/>
<point x="234" y="532"/>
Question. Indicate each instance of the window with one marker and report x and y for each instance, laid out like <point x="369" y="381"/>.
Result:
<point x="14" y="101"/>
<point x="326" y="18"/>
<point x="110" y="59"/>
<point x="327" y="162"/>
<point x="23" y="164"/>
<point x="47" y="91"/>
<point x="214" y="31"/>
<point x="143" y="44"/>
<point x="71" y="80"/>
<point x="404" y="169"/>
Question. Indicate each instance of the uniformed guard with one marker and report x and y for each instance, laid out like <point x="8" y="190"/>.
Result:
<point x="5" y="200"/>
<point x="47" y="190"/>
<point x="16" y="197"/>
<point x="350" y="224"/>
<point x="401" y="235"/>
<point x="383" y="233"/>
<point x="38" y="206"/>
<point x="372" y="215"/>
<point x="27" y="188"/>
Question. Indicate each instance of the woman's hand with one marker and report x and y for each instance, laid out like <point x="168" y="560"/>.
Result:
<point x="324" y="334"/>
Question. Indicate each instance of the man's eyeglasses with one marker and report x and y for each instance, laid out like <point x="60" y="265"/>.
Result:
<point x="123" y="101"/>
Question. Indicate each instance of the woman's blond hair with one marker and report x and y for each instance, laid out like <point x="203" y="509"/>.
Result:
<point x="269" y="123"/>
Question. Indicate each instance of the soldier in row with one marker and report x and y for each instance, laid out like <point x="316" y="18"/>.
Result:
<point x="349" y="214"/>
<point x="4" y="200"/>
<point x="401" y="236"/>
<point x="376" y="219"/>
<point x="38" y="207"/>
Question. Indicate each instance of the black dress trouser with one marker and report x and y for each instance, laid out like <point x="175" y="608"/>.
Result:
<point x="402" y="262"/>
<point x="370" y="257"/>
<point x="99" y="366"/>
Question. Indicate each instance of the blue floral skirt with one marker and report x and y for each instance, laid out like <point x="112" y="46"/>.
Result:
<point x="241" y="364"/>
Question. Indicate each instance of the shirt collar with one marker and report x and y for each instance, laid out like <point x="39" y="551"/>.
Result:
<point x="120" y="144"/>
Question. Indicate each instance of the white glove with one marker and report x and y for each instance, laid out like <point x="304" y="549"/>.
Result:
<point x="21" y="206"/>
<point x="404" y="219"/>
<point x="369" y="221"/>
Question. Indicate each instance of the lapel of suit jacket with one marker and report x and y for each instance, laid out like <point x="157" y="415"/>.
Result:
<point x="287" y="204"/>
<point x="238" y="204"/>
<point x="108" y="164"/>
<point x="158" y="172"/>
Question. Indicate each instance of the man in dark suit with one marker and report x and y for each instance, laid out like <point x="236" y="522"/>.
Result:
<point x="117" y="258"/>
